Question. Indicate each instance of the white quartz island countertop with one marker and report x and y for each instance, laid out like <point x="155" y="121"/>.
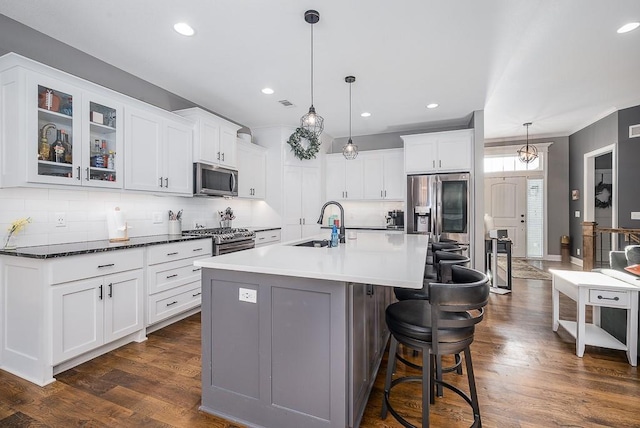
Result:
<point x="388" y="259"/>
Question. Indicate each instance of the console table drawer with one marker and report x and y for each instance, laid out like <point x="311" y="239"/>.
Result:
<point x="609" y="298"/>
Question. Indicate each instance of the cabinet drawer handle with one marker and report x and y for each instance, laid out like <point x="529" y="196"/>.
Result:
<point x="274" y="236"/>
<point x="172" y="276"/>
<point x="608" y="298"/>
<point x="111" y="290"/>
<point x="197" y="249"/>
<point x="261" y="238"/>
<point x="88" y="178"/>
<point x="195" y="295"/>
<point x="79" y="174"/>
<point x="440" y="163"/>
<point x="160" y="181"/>
<point x="166" y="182"/>
<point x="104" y="266"/>
<point x="172" y="254"/>
<point x="223" y="157"/>
<point x="172" y="303"/>
<point x="100" y="295"/>
<point x="196" y="269"/>
<point x="218" y="155"/>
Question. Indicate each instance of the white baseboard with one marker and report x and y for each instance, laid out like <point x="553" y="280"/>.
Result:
<point x="576" y="261"/>
<point x="553" y="257"/>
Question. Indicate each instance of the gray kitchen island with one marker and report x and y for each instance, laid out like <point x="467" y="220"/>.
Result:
<point x="293" y="336"/>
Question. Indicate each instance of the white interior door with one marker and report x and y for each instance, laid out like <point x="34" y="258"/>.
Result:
<point x="505" y="201"/>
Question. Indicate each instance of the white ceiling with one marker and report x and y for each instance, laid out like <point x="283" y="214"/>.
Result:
<point x="558" y="64"/>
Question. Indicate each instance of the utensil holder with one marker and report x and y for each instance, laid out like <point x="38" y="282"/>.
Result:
<point x="175" y="227"/>
<point x="225" y="223"/>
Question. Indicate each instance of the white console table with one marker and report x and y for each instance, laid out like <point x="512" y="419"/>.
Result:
<point x="597" y="290"/>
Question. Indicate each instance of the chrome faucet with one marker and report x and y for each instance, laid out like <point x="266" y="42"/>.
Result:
<point x="341" y="234"/>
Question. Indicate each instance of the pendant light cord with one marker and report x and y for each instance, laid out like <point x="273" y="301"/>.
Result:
<point x="312" y="64"/>
<point x="350" y="109"/>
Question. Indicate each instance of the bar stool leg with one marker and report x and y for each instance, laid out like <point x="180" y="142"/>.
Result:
<point x="391" y="367"/>
<point x="472" y="387"/>
<point x="426" y="386"/>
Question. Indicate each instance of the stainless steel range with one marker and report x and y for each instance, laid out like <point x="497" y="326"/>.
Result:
<point x="225" y="239"/>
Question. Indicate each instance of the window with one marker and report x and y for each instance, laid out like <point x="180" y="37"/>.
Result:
<point x="501" y="163"/>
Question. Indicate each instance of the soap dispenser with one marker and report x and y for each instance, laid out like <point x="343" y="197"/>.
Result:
<point x="334" y="236"/>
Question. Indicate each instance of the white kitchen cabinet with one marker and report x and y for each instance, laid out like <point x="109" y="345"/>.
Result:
<point x="383" y="174"/>
<point x="344" y="178"/>
<point x="92" y="312"/>
<point x="214" y="141"/>
<point x="448" y="151"/>
<point x="267" y="237"/>
<point x="251" y="170"/>
<point x="157" y="152"/>
<point x="45" y="107"/>
<point x="173" y="282"/>
<point x="301" y="202"/>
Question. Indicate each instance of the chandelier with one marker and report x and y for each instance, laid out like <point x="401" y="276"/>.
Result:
<point x="527" y="153"/>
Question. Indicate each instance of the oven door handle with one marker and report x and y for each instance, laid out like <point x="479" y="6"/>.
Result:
<point x="234" y="246"/>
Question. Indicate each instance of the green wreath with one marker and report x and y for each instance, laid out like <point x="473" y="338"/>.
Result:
<point x="298" y="150"/>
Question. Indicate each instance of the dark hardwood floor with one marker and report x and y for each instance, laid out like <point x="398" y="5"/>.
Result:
<point x="527" y="376"/>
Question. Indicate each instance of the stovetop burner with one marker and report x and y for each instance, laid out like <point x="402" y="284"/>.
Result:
<point x="223" y="234"/>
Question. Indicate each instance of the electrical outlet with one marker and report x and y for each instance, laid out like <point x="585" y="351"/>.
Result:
<point x="157" y="217"/>
<point x="576" y="214"/>
<point x="635" y="215"/>
<point x="61" y="219"/>
<point x="578" y="251"/>
<point x="248" y="295"/>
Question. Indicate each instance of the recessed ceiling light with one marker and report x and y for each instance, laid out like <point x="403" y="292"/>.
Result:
<point x="267" y="91"/>
<point x="184" y="29"/>
<point x="365" y="114"/>
<point x="628" y="27"/>
<point x="432" y="105"/>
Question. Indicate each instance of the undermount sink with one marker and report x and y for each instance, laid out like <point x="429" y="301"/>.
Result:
<point x="317" y="243"/>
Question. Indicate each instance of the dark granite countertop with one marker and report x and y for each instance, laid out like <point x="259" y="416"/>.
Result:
<point x="89" y="247"/>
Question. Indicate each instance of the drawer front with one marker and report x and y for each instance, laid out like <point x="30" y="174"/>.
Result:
<point x="165" y="276"/>
<point x="179" y="250"/>
<point x="267" y="237"/>
<point x="73" y="268"/>
<point x="609" y="298"/>
<point x="173" y="302"/>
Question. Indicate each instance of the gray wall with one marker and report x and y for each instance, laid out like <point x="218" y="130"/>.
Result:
<point x="25" y="41"/>
<point x="597" y="135"/>
<point x="557" y="187"/>
<point x="628" y="168"/>
<point x="392" y="140"/>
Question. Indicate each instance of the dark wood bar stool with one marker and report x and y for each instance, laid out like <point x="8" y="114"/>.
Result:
<point x="443" y="325"/>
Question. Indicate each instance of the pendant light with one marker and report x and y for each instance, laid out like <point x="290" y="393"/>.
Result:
<point x="527" y="153"/>
<point x="350" y="150"/>
<point x="312" y="121"/>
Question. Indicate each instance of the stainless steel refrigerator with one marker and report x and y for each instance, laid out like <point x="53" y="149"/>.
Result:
<point x="438" y="204"/>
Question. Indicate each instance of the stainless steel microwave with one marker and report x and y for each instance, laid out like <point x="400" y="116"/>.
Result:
<point x="209" y="180"/>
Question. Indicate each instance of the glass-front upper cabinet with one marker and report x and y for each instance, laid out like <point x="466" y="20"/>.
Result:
<point x="54" y="132"/>
<point x="78" y="134"/>
<point x="102" y="142"/>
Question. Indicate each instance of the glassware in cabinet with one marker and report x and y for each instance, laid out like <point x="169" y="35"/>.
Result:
<point x="54" y="148"/>
<point x="103" y="139"/>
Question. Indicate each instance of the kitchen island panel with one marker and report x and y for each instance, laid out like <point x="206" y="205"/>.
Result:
<point x="299" y="341"/>
<point x="235" y="338"/>
<point x="301" y="314"/>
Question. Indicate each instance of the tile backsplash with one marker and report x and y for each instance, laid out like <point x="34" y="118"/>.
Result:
<point x="363" y="213"/>
<point x="85" y="213"/>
